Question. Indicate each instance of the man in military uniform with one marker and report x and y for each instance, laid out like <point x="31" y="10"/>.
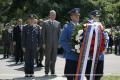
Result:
<point x="42" y="50"/>
<point x="30" y="45"/>
<point x="6" y="38"/>
<point x="99" y="62"/>
<point x="110" y="44"/>
<point x="51" y="30"/>
<point x="39" y="54"/>
<point x="17" y="40"/>
<point x="65" y="40"/>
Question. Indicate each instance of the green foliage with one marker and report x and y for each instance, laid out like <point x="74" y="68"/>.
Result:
<point x="117" y="33"/>
<point x="110" y="9"/>
<point x="75" y="31"/>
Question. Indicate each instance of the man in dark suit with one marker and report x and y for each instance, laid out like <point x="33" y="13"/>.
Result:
<point x="17" y="34"/>
<point x="30" y="44"/>
<point x="51" y="30"/>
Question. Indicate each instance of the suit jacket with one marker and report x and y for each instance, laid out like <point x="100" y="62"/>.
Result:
<point x="51" y="32"/>
<point x="17" y="34"/>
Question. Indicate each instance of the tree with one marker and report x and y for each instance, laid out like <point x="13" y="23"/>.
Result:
<point x="110" y="9"/>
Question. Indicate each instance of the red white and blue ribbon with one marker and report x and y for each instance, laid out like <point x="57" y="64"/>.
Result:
<point x="85" y="49"/>
<point x="95" y="51"/>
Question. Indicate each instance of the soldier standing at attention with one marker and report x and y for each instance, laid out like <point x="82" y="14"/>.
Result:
<point x="99" y="62"/>
<point x="39" y="54"/>
<point x="41" y="51"/>
<point x="51" y="30"/>
<point x="71" y="57"/>
<point x="31" y="42"/>
<point x="6" y="38"/>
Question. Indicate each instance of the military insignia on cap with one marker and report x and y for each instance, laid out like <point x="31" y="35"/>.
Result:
<point x="74" y="10"/>
<point x="77" y="11"/>
<point x="97" y="13"/>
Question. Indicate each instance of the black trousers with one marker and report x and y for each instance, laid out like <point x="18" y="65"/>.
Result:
<point x="109" y="49"/>
<point x="70" y="69"/>
<point x="18" y="53"/>
<point x="6" y="50"/>
<point x="98" y="71"/>
<point x="29" y="61"/>
<point x="117" y="49"/>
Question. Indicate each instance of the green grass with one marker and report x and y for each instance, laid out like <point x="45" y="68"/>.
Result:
<point x="111" y="78"/>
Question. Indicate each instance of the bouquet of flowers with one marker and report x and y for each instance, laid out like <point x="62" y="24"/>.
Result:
<point x="77" y="37"/>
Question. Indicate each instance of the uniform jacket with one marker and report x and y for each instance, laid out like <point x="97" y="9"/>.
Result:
<point x="31" y="37"/>
<point x="6" y="37"/>
<point x="65" y="42"/>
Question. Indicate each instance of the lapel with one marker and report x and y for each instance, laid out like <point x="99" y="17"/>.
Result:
<point x="51" y="23"/>
<point x="18" y="28"/>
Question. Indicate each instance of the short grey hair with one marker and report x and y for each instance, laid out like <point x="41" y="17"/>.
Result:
<point x="53" y="12"/>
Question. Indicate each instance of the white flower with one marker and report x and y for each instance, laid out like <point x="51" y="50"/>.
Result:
<point x="78" y="51"/>
<point x="77" y="47"/>
<point x="80" y="32"/>
<point x="78" y="36"/>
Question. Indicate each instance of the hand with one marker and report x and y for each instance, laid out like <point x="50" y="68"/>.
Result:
<point x="59" y="46"/>
<point x="85" y="25"/>
<point x="73" y="50"/>
<point x="24" y="50"/>
<point x="38" y="48"/>
<point x="44" y="46"/>
<point x="14" y="43"/>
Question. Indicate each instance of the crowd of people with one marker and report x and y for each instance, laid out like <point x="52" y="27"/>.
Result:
<point x="113" y="44"/>
<point x="31" y="41"/>
<point x="36" y="38"/>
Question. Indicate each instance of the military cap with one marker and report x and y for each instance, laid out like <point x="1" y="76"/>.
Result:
<point x="95" y="13"/>
<point x="32" y="16"/>
<point x="74" y="11"/>
<point x="7" y="24"/>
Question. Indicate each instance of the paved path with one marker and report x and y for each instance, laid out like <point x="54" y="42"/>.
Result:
<point x="9" y="70"/>
<point x="112" y="64"/>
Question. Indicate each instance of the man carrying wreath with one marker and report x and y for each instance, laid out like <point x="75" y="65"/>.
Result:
<point x="70" y="55"/>
<point x="91" y="59"/>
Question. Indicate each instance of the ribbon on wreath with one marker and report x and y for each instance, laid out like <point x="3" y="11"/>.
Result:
<point x="93" y="30"/>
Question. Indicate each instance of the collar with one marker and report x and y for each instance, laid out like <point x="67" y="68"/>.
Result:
<point x="74" y="23"/>
<point x="19" y="25"/>
<point x="51" y="20"/>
